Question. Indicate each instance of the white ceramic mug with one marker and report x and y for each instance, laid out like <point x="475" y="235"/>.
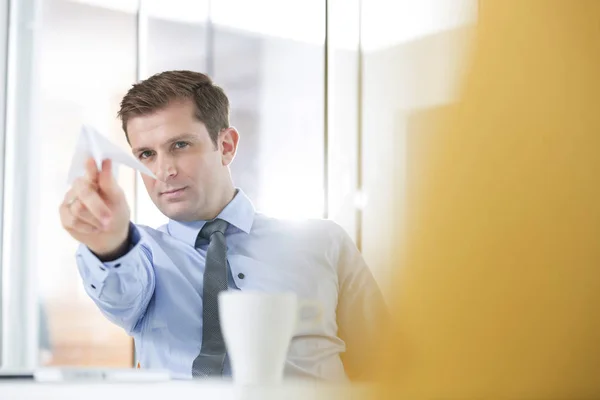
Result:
<point x="257" y="328"/>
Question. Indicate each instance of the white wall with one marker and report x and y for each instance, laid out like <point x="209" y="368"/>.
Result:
<point x="416" y="71"/>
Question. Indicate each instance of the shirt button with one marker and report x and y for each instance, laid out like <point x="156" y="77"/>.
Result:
<point x="241" y="276"/>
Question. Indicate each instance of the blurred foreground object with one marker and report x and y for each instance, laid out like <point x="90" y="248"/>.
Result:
<point x="498" y="292"/>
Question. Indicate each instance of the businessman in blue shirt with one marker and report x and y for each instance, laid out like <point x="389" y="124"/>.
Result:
<point x="160" y="285"/>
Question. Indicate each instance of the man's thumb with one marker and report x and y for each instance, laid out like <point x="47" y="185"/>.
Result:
<point x="106" y="180"/>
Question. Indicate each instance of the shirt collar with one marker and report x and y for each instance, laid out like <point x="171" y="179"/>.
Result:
<point x="239" y="213"/>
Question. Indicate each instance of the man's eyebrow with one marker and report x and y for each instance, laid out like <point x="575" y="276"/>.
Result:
<point x="139" y="149"/>
<point x="183" y="136"/>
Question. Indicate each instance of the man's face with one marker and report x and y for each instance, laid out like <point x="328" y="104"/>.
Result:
<point x="193" y="178"/>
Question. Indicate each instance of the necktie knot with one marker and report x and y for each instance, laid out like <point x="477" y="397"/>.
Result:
<point x="210" y="228"/>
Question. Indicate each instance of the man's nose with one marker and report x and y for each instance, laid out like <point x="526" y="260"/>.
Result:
<point x="165" y="168"/>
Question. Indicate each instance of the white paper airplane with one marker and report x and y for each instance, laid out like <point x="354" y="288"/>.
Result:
<point x="91" y="143"/>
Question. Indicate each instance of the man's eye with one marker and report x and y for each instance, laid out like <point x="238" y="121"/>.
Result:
<point x="181" y="145"/>
<point x="145" y="154"/>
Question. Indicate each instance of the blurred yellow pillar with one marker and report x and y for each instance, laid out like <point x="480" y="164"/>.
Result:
<point x="499" y="288"/>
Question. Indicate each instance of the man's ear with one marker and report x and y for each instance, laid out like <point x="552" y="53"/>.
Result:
<point x="228" y="143"/>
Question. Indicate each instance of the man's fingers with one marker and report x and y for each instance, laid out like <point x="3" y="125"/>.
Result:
<point x="81" y="183"/>
<point x="80" y="211"/>
<point x="91" y="170"/>
<point x="106" y="180"/>
<point x="88" y="195"/>
<point x="74" y="224"/>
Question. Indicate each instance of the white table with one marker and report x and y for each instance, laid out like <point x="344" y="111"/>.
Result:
<point x="173" y="390"/>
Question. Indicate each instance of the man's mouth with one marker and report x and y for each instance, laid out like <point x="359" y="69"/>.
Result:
<point x="173" y="192"/>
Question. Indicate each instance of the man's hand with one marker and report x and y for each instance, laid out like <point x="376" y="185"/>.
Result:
<point x="95" y="211"/>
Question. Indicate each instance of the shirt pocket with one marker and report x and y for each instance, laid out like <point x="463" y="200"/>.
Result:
<point x="287" y="276"/>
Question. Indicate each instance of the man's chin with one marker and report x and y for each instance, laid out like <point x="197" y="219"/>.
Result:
<point x="179" y="211"/>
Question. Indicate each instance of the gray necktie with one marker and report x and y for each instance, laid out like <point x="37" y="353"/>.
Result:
<point x="212" y="353"/>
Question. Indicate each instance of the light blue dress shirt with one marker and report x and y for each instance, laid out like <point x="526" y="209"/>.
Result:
<point x="154" y="292"/>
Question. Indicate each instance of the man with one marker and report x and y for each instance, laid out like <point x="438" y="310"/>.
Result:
<point x="161" y="285"/>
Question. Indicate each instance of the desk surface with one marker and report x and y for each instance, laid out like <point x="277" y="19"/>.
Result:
<point x="209" y="390"/>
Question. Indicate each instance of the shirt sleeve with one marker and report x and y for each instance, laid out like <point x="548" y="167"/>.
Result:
<point x="362" y="313"/>
<point x="121" y="288"/>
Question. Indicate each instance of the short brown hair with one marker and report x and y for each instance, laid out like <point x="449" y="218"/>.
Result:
<point x="158" y="91"/>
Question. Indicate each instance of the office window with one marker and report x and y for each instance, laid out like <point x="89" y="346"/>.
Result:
<point x="86" y="60"/>
<point x="268" y="56"/>
<point x="73" y="60"/>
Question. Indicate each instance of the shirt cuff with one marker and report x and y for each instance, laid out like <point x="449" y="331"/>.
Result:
<point x="94" y="272"/>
